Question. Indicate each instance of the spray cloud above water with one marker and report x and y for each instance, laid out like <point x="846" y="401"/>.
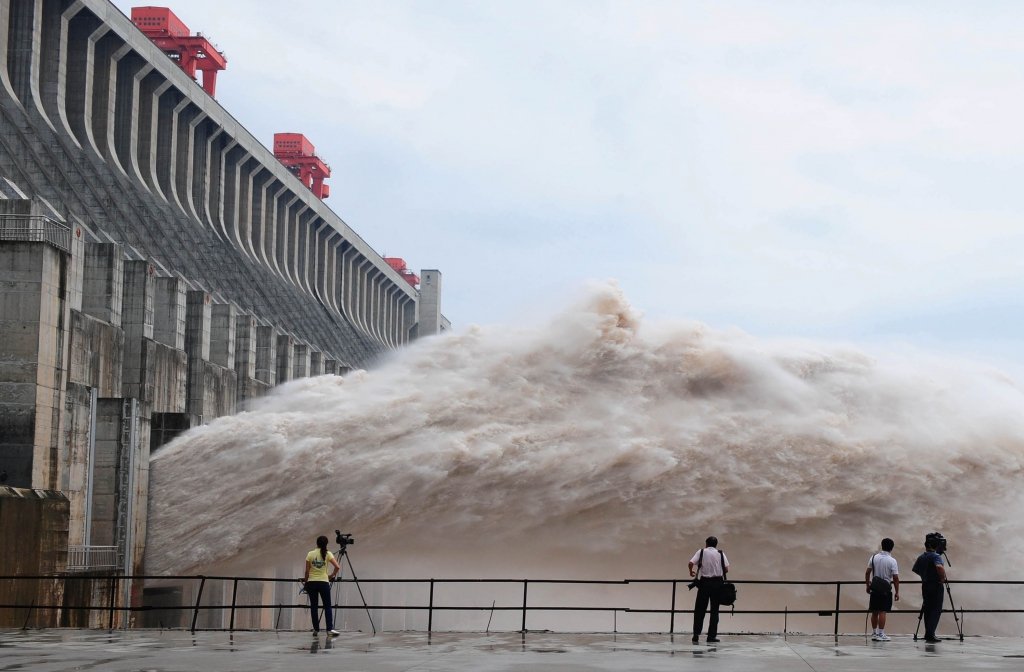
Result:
<point x="603" y="447"/>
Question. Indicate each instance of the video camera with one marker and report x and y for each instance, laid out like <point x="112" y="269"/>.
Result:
<point x="343" y="540"/>
<point x="935" y="540"/>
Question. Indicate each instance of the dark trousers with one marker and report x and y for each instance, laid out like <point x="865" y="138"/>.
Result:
<point x="320" y="591"/>
<point x="707" y="593"/>
<point x="931" y="607"/>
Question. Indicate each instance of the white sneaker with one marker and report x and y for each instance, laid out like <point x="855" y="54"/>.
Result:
<point x="333" y="633"/>
<point x="882" y="637"/>
<point x="875" y="637"/>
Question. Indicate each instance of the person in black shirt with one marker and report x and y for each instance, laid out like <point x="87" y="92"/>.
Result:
<point x="932" y="570"/>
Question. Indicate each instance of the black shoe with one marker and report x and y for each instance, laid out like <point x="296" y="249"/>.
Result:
<point x="695" y="640"/>
<point x="932" y="640"/>
<point x="712" y="640"/>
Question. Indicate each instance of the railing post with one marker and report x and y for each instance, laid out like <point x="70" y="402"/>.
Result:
<point x="672" y="619"/>
<point x="110" y="598"/>
<point x="526" y="582"/>
<point x="234" y="594"/>
<point x="195" y="611"/>
<point x="430" y="609"/>
<point x="838" y="587"/>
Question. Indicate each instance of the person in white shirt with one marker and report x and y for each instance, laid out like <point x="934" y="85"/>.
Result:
<point x="708" y="566"/>
<point x="880" y="578"/>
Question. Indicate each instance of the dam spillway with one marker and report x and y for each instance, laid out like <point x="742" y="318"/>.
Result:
<point x="160" y="268"/>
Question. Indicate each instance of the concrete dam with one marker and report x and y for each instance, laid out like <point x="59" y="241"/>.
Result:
<point x="159" y="267"/>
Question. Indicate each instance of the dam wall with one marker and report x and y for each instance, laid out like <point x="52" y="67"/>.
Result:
<point x="158" y="267"/>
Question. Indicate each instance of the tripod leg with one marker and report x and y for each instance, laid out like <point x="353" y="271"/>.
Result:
<point x="920" y="615"/>
<point x="355" y="579"/>
<point x="952" y="607"/>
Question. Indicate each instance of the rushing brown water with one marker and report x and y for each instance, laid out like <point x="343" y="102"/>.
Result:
<point x="604" y="447"/>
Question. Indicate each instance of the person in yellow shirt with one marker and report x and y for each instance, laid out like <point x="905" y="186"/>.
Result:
<point x="317" y="583"/>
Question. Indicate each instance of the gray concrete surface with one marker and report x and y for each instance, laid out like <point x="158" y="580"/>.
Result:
<point x="160" y="651"/>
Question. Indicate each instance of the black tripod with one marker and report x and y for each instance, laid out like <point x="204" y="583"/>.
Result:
<point x="343" y="541"/>
<point x="952" y="607"/>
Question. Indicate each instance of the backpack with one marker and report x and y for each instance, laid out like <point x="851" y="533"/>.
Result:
<point x="727" y="593"/>
<point x="727" y="589"/>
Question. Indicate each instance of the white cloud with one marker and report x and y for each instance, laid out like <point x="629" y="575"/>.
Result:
<point x="795" y="164"/>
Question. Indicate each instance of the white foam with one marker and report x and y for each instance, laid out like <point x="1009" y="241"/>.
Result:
<point x="601" y="446"/>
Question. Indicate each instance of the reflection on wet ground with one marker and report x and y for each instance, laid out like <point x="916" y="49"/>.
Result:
<point x="177" y="651"/>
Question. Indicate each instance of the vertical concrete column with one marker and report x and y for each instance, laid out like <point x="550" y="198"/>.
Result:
<point x="33" y="337"/>
<point x="347" y="281"/>
<point x="222" y="334"/>
<point x="144" y="145"/>
<point x="164" y="140"/>
<point x="121" y="124"/>
<point x="198" y="317"/>
<point x="247" y="222"/>
<point x="103" y="282"/>
<point x="258" y="211"/>
<point x="408" y="319"/>
<point x="210" y="207"/>
<point x="391" y="298"/>
<point x="181" y="154"/>
<point x="245" y="357"/>
<point x="303" y="253"/>
<point x="360" y="289"/>
<point x="22" y="41"/>
<point x="169" y="312"/>
<point x="104" y="473"/>
<point x="430" y="303"/>
<point x="316" y="362"/>
<point x="245" y="346"/>
<point x="374" y="315"/>
<point x="197" y="347"/>
<point x="275" y="192"/>
<point x="300" y="361"/>
<point x="137" y="322"/>
<point x="266" y="355"/>
<point x="285" y="358"/>
<point x="234" y="158"/>
<point x="196" y="177"/>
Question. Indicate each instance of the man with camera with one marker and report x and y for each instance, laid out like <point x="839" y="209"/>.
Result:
<point x="708" y="567"/>
<point x="881" y="577"/>
<point x="932" y="570"/>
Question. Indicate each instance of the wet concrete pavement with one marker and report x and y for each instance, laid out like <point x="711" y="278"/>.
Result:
<point x="177" y="651"/>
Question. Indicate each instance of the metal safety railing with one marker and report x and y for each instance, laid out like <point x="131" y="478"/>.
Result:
<point x="668" y="590"/>
<point x="35" y="229"/>
<point x="91" y="558"/>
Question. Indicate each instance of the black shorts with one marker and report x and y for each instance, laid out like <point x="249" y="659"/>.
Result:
<point x="880" y="600"/>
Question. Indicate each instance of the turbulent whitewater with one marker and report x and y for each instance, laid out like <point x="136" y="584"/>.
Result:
<point x="602" y="446"/>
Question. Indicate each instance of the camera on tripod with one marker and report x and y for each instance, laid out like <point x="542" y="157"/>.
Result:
<point x="343" y="540"/>
<point x="936" y="541"/>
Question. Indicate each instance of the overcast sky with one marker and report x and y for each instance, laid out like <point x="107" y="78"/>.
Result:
<point x="814" y="169"/>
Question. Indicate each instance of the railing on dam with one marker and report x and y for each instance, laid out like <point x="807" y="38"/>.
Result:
<point x="35" y="229"/>
<point x="527" y="604"/>
<point x="91" y="558"/>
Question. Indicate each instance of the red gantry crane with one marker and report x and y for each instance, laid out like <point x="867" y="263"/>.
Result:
<point x="398" y="264"/>
<point x="296" y="152"/>
<point x="191" y="52"/>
